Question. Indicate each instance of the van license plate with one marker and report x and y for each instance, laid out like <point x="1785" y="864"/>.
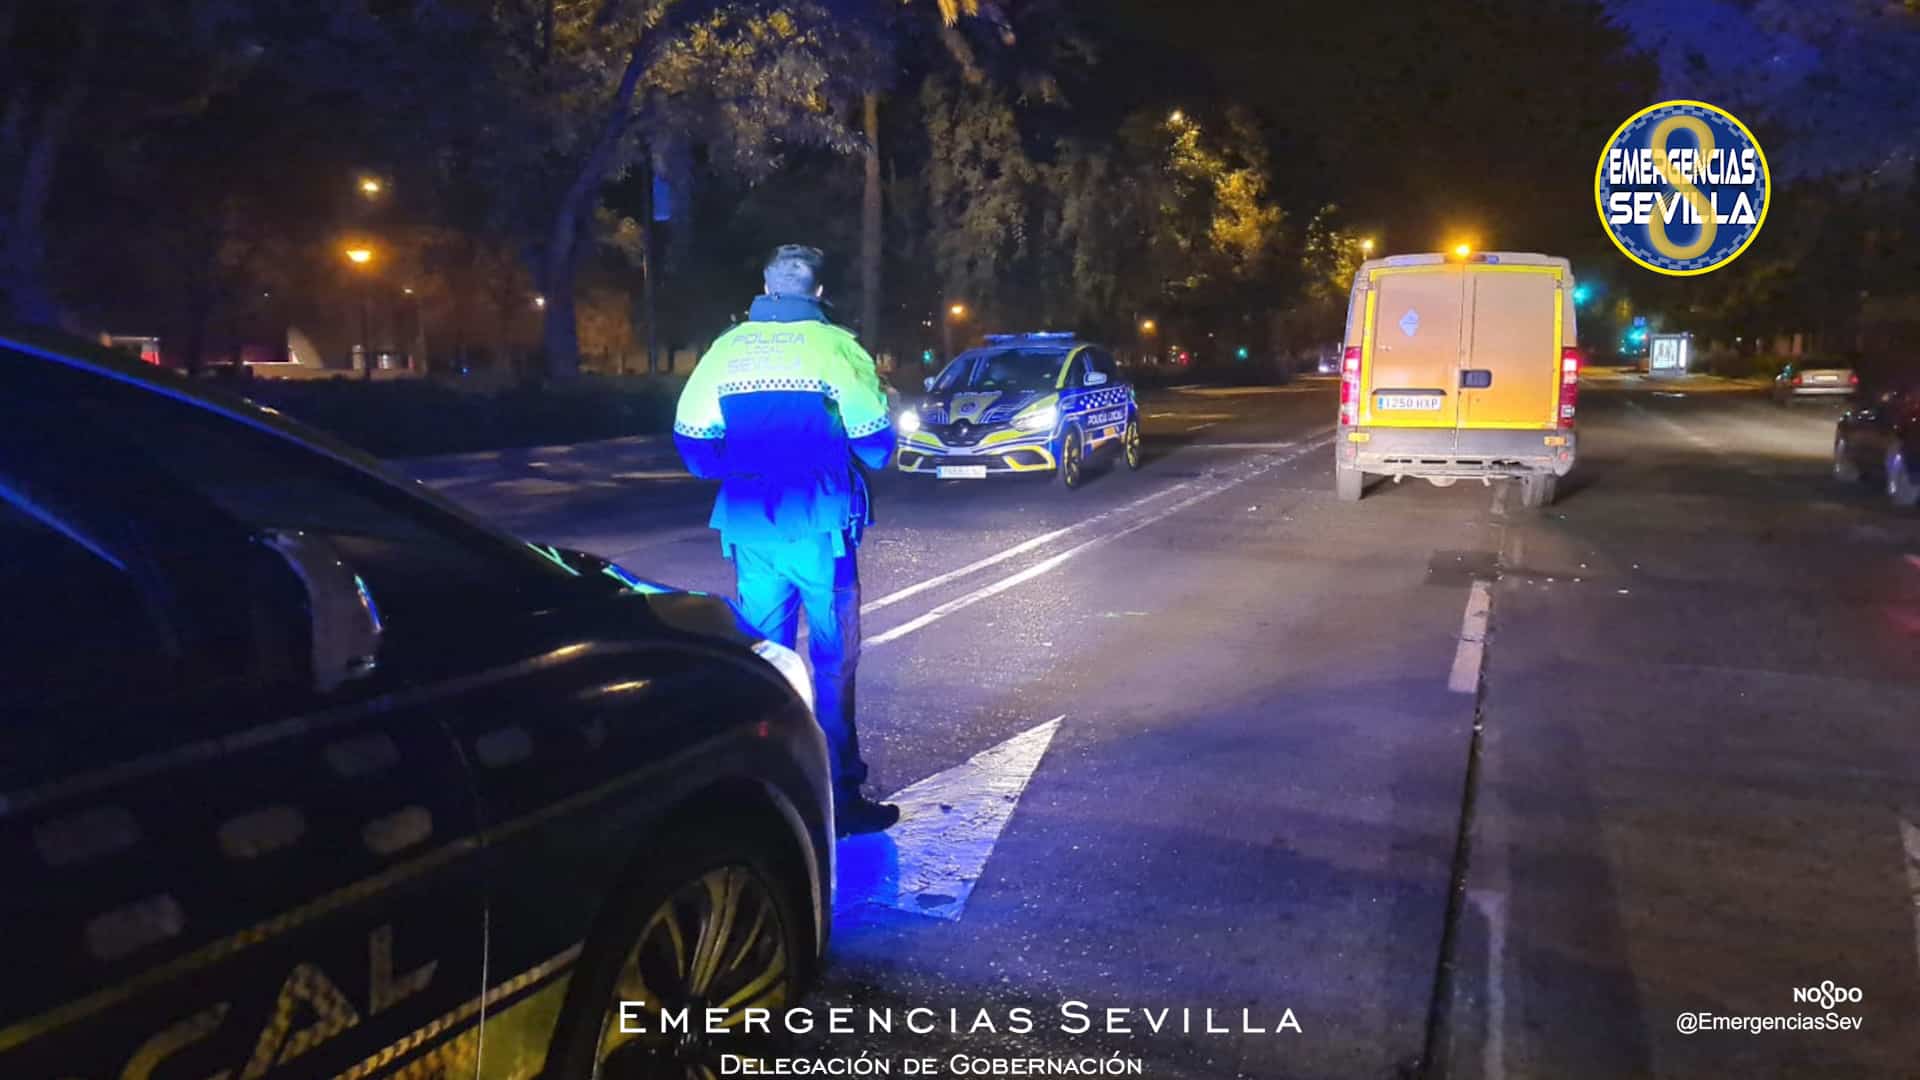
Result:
<point x="1407" y="402"/>
<point x="960" y="472"/>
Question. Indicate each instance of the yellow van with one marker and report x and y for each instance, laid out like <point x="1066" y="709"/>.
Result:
<point x="1461" y="365"/>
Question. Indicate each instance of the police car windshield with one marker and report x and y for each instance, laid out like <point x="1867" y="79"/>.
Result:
<point x="1003" y="369"/>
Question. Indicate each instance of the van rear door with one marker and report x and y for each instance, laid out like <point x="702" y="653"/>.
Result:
<point x="1510" y="367"/>
<point x="1410" y="360"/>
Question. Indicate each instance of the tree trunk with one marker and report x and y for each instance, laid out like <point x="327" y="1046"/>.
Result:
<point x="648" y="307"/>
<point x="23" y="280"/>
<point x="870" y="238"/>
<point x="560" y="335"/>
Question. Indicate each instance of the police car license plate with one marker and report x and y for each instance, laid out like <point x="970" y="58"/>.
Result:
<point x="961" y="472"/>
<point x="1407" y="402"/>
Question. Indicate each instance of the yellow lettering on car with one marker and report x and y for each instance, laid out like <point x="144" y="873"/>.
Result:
<point x="174" y="1038"/>
<point x="385" y="991"/>
<point x="307" y="990"/>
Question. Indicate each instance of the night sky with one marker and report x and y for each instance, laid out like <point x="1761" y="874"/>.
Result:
<point x="1425" y="123"/>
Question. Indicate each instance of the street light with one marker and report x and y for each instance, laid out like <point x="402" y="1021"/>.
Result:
<point x="540" y="302"/>
<point x="362" y="257"/>
<point x="958" y="311"/>
<point x="1366" y="246"/>
<point x="371" y="187"/>
<point x="1176" y="117"/>
<point x="1148" y="326"/>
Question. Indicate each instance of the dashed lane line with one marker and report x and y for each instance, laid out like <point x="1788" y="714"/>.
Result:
<point x="1053" y="562"/>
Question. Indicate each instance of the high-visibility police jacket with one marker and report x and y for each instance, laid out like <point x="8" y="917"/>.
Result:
<point x="776" y="411"/>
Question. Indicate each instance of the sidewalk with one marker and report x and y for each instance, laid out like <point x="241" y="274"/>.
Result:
<point x="627" y="457"/>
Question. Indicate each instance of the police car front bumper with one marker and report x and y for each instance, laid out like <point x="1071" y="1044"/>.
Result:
<point x="1004" y="452"/>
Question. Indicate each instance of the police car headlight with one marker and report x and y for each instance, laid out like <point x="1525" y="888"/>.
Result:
<point x="1038" y="420"/>
<point x="909" y="422"/>
<point x="790" y="666"/>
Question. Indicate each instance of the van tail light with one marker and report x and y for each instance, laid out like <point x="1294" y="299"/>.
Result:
<point x="1350" y="386"/>
<point x="1569" y="385"/>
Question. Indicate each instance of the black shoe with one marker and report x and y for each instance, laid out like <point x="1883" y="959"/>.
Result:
<point x="858" y="814"/>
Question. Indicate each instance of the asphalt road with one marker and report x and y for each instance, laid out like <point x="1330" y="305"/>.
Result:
<point x="1694" y="684"/>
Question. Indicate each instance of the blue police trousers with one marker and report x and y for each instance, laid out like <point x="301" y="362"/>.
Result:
<point x="820" y="574"/>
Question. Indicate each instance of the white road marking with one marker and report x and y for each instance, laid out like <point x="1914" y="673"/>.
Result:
<point x="930" y="862"/>
<point x="1205" y="426"/>
<point x="1465" y="678"/>
<point x="996" y="588"/>
<point x="1493" y="908"/>
<point x="1910" y="840"/>
<point x="1015" y="551"/>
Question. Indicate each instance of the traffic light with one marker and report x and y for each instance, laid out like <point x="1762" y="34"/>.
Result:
<point x="926" y="356"/>
<point x="1240" y="353"/>
<point x="1582" y="293"/>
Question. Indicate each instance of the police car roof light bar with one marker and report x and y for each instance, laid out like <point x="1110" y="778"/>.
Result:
<point x="1040" y="335"/>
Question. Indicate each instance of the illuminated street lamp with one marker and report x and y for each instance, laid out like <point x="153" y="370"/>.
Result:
<point x="371" y="187"/>
<point x="362" y="258"/>
<point x="1148" y="326"/>
<point x="1366" y="246"/>
<point x="1176" y="117"/>
<point x="540" y="302"/>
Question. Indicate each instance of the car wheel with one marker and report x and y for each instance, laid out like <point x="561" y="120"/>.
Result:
<point x="1845" y="469"/>
<point x="716" y="923"/>
<point x="1073" y="462"/>
<point x="1537" y="491"/>
<point x="1347" y="482"/>
<point x="1900" y="484"/>
<point x="1130" y="443"/>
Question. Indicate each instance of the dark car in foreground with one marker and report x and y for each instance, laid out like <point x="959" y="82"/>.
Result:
<point x="1877" y="443"/>
<point x="305" y="773"/>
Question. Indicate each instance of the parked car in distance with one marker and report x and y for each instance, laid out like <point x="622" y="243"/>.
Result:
<point x="1877" y="443"/>
<point x="1815" y="379"/>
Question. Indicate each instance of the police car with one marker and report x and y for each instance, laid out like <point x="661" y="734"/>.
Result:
<point x="305" y="773"/>
<point x="1025" y="403"/>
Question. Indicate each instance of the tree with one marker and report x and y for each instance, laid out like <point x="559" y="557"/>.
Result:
<point x="1829" y="84"/>
<point x="981" y="188"/>
<point x="604" y="83"/>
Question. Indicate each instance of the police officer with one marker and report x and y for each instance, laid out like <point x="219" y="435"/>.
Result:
<point x="777" y="411"/>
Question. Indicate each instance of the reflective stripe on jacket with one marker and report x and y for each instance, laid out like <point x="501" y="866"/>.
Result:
<point x="777" y="410"/>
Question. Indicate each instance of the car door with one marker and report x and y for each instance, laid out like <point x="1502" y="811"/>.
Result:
<point x="1518" y="317"/>
<point x="227" y="870"/>
<point x="1410" y="362"/>
<point x="1106" y="404"/>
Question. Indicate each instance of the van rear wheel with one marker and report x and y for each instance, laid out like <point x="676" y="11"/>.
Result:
<point x="1347" y="482"/>
<point x="1537" y="491"/>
